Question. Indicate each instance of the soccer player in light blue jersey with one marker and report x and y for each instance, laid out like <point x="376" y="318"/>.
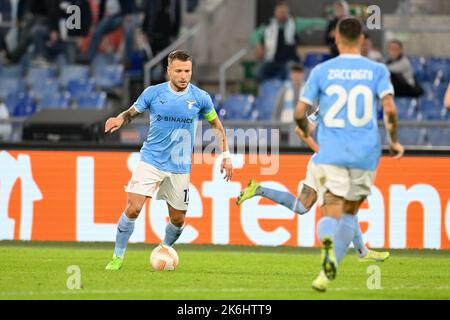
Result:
<point x="174" y="108"/>
<point x="349" y="89"/>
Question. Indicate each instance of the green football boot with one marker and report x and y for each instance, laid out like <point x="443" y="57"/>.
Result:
<point x="248" y="192"/>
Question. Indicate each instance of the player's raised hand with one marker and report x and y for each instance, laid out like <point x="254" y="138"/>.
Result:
<point x="113" y="124"/>
<point x="397" y="150"/>
<point x="227" y="166"/>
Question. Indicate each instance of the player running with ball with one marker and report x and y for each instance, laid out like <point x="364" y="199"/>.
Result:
<point x="166" y="156"/>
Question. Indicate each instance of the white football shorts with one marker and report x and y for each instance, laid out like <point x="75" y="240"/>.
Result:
<point x="173" y="188"/>
<point x="350" y="184"/>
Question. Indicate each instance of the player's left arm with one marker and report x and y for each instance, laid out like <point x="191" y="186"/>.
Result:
<point x="221" y="137"/>
<point x="210" y="114"/>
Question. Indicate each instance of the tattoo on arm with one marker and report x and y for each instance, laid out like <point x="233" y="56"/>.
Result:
<point x="220" y="135"/>
<point x="128" y="115"/>
<point x="303" y="125"/>
<point x="391" y="121"/>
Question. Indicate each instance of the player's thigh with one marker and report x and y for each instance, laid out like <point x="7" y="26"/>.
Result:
<point x="174" y="190"/>
<point x="361" y="183"/>
<point x="332" y="180"/>
<point x="352" y="207"/>
<point x="308" y="195"/>
<point x="333" y="205"/>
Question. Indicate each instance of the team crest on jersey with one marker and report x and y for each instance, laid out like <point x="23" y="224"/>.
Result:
<point x="191" y="103"/>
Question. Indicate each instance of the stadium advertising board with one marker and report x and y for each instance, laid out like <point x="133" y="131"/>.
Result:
<point x="79" y="196"/>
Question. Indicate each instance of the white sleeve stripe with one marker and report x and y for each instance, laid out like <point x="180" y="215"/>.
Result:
<point x="386" y="92"/>
<point x="135" y="107"/>
<point x="307" y="101"/>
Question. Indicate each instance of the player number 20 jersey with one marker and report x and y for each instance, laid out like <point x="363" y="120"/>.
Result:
<point x="348" y="89"/>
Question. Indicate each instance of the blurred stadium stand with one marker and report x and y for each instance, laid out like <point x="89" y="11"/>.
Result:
<point x="107" y="83"/>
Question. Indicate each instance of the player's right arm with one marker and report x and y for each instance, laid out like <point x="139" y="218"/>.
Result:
<point x="391" y="123"/>
<point x="311" y="92"/>
<point x="309" y="140"/>
<point x="114" y="124"/>
<point x="142" y="104"/>
<point x="385" y="92"/>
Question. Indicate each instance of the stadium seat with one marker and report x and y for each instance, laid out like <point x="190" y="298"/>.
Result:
<point x="13" y="71"/>
<point x="431" y="110"/>
<point x="24" y="105"/>
<point x="109" y="77"/>
<point x="40" y="89"/>
<point x="74" y="72"/>
<point x="312" y="59"/>
<point x="406" y="109"/>
<point x="238" y="107"/>
<point x="78" y="88"/>
<point x="11" y="85"/>
<point x="419" y="67"/>
<point x="438" y="70"/>
<point x="411" y="136"/>
<point x="55" y="100"/>
<point x="440" y="91"/>
<point x="439" y="136"/>
<point x="429" y="90"/>
<point x="93" y="100"/>
<point x="104" y="60"/>
<point x="267" y="98"/>
<point x="383" y="135"/>
<point x="36" y="75"/>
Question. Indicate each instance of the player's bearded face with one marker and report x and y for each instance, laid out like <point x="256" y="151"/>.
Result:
<point x="180" y="73"/>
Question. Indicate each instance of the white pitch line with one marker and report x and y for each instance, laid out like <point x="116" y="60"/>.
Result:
<point x="227" y="290"/>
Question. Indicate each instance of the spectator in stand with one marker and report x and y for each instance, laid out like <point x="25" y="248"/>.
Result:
<point x="112" y="14"/>
<point x="289" y="95"/>
<point x="5" y="128"/>
<point x="161" y="26"/>
<point x="341" y="10"/>
<point x="368" y="51"/>
<point x="277" y="43"/>
<point x="447" y="97"/>
<point x="39" y="21"/>
<point x="402" y="73"/>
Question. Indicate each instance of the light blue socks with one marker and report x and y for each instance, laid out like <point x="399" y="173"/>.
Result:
<point x="172" y="234"/>
<point x="345" y="232"/>
<point x="125" y="229"/>
<point x="284" y="198"/>
<point x="326" y="228"/>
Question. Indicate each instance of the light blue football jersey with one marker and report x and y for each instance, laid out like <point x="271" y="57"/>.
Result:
<point x="348" y="89"/>
<point x="173" y="123"/>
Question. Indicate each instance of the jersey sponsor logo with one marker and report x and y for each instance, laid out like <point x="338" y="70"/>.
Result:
<point x="191" y="103"/>
<point x="174" y="119"/>
<point x="163" y="101"/>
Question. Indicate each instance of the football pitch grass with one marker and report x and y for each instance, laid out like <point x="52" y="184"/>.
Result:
<point x="33" y="270"/>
